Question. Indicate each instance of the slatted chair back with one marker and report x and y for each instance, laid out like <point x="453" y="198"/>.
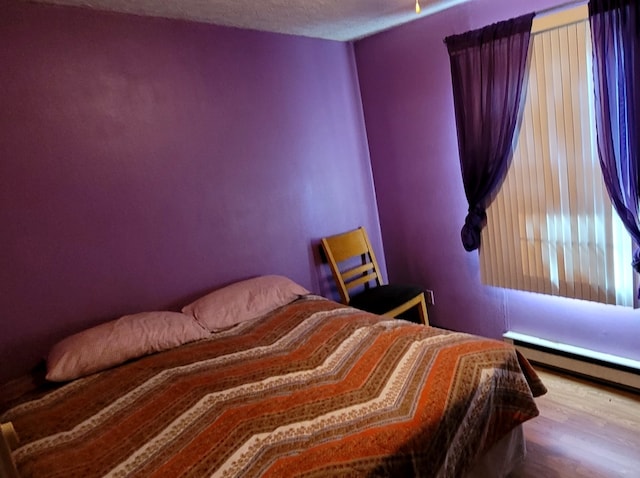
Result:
<point x="352" y="260"/>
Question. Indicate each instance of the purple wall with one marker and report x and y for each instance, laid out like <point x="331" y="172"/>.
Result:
<point x="145" y="161"/>
<point x="406" y="92"/>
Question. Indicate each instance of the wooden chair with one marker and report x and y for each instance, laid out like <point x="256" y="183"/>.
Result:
<point x="353" y="264"/>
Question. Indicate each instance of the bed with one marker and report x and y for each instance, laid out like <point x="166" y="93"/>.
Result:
<point x="311" y="388"/>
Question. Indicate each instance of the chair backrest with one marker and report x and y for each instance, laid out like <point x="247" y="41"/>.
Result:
<point x="352" y="261"/>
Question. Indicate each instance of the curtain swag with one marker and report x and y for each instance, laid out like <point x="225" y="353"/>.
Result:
<point x="489" y="67"/>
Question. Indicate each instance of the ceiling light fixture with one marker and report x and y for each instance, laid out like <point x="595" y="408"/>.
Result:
<point x="418" y="9"/>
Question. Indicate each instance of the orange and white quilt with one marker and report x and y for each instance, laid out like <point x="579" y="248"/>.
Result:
<point x="313" y="389"/>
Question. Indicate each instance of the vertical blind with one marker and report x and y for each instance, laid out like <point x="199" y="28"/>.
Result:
<point x="552" y="228"/>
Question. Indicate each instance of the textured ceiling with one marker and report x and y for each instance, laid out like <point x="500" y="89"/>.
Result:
<point x="341" y="20"/>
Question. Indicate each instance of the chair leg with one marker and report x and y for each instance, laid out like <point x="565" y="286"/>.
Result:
<point x="422" y="309"/>
<point x="419" y="302"/>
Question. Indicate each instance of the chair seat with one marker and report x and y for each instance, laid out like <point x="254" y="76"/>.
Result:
<point x="384" y="298"/>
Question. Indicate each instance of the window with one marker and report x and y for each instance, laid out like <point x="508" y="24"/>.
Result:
<point x="552" y="228"/>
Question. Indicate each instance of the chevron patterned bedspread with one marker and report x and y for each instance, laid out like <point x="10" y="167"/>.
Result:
<point x="313" y="389"/>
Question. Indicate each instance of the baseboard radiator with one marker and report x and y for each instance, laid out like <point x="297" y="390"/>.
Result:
<point x="600" y="366"/>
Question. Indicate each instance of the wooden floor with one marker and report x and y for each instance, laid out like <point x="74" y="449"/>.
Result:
<point x="584" y="430"/>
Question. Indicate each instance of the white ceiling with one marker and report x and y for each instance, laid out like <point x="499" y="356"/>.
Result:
<point x="342" y="20"/>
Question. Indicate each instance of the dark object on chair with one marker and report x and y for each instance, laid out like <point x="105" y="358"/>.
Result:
<point x="353" y="264"/>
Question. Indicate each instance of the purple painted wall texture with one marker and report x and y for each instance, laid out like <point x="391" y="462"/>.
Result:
<point x="406" y="92"/>
<point x="146" y="161"/>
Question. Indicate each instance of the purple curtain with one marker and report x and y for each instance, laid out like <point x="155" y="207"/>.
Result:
<point x="488" y="72"/>
<point x="616" y="71"/>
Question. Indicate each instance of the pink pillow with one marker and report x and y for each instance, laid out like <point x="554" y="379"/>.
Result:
<point x="117" y="341"/>
<point x="243" y="301"/>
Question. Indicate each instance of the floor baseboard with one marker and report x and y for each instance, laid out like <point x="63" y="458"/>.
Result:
<point x="609" y="368"/>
